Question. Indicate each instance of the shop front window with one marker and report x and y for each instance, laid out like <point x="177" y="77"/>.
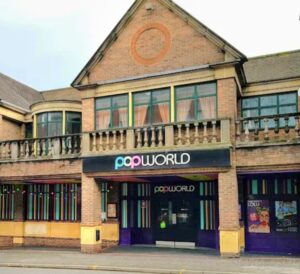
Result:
<point x="7" y="202"/>
<point x="112" y="112"/>
<point x="151" y="108"/>
<point x="196" y="102"/>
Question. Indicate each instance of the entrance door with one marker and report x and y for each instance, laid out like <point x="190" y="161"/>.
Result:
<point x="175" y="220"/>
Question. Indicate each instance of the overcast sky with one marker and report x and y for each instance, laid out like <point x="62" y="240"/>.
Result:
<point x="45" y="43"/>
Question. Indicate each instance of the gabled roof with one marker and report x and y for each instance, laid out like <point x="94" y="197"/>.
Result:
<point x="208" y="33"/>
<point x="17" y="94"/>
<point x="278" y="66"/>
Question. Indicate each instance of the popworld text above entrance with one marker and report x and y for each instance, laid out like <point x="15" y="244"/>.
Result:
<point x="170" y="159"/>
<point x="158" y="161"/>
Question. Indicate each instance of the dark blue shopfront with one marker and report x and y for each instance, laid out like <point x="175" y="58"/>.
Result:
<point x="184" y="211"/>
<point x="270" y="206"/>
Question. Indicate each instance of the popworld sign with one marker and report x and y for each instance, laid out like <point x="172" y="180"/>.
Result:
<point x="170" y="159"/>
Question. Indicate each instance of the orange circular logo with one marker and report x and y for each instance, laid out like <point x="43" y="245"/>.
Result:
<point x="150" y="43"/>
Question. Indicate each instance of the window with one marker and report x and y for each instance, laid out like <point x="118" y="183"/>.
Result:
<point x="7" y="202"/>
<point x="270" y="105"/>
<point x="73" y="122"/>
<point x="112" y="112"/>
<point x="58" y="202"/>
<point x="49" y="124"/>
<point x="28" y="130"/>
<point x="196" y="102"/>
<point x="152" y="107"/>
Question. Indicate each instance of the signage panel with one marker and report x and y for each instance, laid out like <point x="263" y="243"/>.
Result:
<point x="156" y="161"/>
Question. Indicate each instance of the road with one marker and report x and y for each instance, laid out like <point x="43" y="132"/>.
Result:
<point x="13" y="270"/>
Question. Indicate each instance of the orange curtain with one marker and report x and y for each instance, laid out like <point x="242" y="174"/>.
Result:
<point x="103" y="119"/>
<point x="208" y="107"/>
<point x="164" y="112"/>
<point x="185" y="110"/>
<point x="140" y="113"/>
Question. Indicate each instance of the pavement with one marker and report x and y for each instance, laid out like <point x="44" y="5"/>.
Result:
<point x="141" y="259"/>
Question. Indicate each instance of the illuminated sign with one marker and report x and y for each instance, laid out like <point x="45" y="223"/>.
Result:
<point x="170" y="159"/>
<point x="174" y="189"/>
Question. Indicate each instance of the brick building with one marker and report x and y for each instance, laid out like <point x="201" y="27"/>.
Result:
<point x="168" y="135"/>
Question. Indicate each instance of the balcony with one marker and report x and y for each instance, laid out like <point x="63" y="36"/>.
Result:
<point x="268" y="130"/>
<point x="190" y="134"/>
<point x="58" y="147"/>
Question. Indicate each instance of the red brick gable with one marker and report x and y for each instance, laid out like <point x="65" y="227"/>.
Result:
<point x="154" y="40"/>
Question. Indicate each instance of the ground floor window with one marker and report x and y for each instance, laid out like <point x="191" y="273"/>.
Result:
<point x="7" y="202"/>
<point x="58" y="202"/>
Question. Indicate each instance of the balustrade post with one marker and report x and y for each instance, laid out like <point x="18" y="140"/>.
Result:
<point x="196" y="137"/>
<point x="179" y="138"/>
<point x="94" y="142"/>
<point x="101" y="142"/>
<point x="146" y="137"/>
<point x="122" y="143"/>
<point x="205" y="139"/>
<point x="160" y="136"/>
<point x="286" y="126"/>
<point x="107" y="147"/>
<point x="246" y="125"/>
<point x="214" y="133"/>
<point x="266" y="129"/>
<point x="22" y="146"/>
<point x="276" y="129"/>
<point x="187" y="134"/>
<point x="256" y="129"/>
<point x="153" y="141"/>
<point x="114" y="132"/>
<point x="139" y="137"/>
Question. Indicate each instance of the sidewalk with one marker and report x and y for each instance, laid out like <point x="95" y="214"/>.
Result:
<point x="148" y="260"/>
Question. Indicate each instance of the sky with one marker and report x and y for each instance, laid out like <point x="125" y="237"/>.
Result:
<point x="45" y="43"/>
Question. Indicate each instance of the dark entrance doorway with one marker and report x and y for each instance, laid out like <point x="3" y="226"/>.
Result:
<point x="174" y="213"/>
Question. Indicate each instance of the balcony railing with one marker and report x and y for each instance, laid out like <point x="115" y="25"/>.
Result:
<point x="268" y="129"/>
<point x="41" y="148"/>
<point x="208" y="132"/>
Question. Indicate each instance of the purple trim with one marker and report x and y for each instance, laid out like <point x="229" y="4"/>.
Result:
<point x="208" y="239"/>
<point x="125" y="236"/>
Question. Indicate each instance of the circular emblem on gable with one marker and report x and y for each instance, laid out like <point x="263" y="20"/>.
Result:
<point x="150" y="44"/>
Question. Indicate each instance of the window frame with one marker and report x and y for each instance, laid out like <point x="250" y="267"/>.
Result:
<point x="277" y="106"/>
<point x="195" y="98"/>
<point x="151" y="104"/>
<point x="111" y="109"/>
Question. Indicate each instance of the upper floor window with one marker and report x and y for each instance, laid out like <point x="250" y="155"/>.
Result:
<point x="49" y="124"/>
<point x="268" y="105"/>
<point x="151" y="107"/>
<point x="73" y="122"/>
<point x="196" y="102"/>
<point x="112" y="112"/>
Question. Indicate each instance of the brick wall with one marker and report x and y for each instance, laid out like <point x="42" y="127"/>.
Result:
<point x="88" y="114"/>
<point x="51" y="242"/>
<point x="6" y="242"/>
<point x="10" y="130"/>
<point x="228" y="201"/>
<point x="186" y="47"/>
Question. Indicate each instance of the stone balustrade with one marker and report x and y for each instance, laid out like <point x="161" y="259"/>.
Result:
<point x="41" y="148"/>
<point x="111" y="141"/>
<point x="268" y="129"/>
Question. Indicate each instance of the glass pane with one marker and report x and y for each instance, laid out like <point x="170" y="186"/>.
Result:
<point x="268" y="111"/>
<point x="119" y="118"/>
<point x="250" y="102"/>
<point x="73" y="128"/>
<point x="185" y="92"/>
<point x="42" y="130"/>
<point x="290" y="98"/>
<point x="102" y="119"/>
<point x="268" y="101"/>
<point x="207" y="108"/>
<point x="250" y="113"/>
<point x="161" y="95"/>
<point x="160" y="113"/>
<point x="42" y="118"/>
<point x="54" y="117"/>
<point x="142" y="98"/>
<point x="73" y="117"/>
<point x="28" y="130"/>
<point x="185" y="110"/>
<point x="120" y="101"/>
<point x="206" y="89"/>
<point x="55" y="129"/>
<point x="287" y="109"/>
<point x="141" y="116"/>
<point x="103" y="103"/>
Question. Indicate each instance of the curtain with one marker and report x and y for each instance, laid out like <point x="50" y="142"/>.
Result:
<point x="208" y="107"/>
<point x="140" y="115"/>
<point x="164" y="112"/>
<point x="185" y="110"/>
<point x="103" y="119"/>
<point x="123" y="115"/>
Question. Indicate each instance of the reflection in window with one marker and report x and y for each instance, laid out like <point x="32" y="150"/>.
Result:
<point x="196" y="102"/>
<point x="49" y="124"/>
<point x="112" y="112"/>
<point x="151" y="107"/>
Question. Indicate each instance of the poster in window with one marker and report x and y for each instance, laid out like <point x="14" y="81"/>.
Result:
<point x="112" y="210"/>
<point x="286" y="216"/>
<point x="258" y="212"/>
